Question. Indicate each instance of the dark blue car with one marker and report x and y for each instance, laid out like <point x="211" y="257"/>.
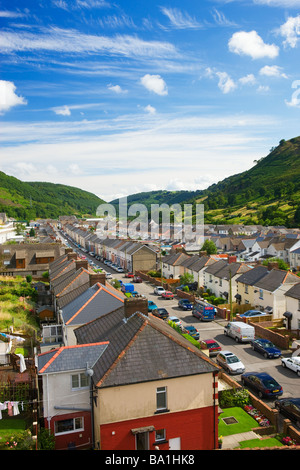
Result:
<point x="262" y="383"/>
<point x="265" y="347"/>
<point x="185" y="304"/>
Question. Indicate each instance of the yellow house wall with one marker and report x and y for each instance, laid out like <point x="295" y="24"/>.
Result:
<point x="116" y="404"/>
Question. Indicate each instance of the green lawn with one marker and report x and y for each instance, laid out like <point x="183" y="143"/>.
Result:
<point x="245" y="422"/>
<point x="271" y="442"/>
<point x="11" y="426"/>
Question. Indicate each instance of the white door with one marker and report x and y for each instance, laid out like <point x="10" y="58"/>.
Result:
<point x="174" y="443"/>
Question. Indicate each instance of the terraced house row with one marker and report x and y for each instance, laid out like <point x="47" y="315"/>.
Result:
<point x="114" y="377"/>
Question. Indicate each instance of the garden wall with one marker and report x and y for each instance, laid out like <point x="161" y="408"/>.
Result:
<point x="270" y="413"/>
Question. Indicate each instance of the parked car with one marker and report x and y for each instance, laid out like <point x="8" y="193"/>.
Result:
<point x="292" y="363"/>
<point x="185" y="304"/>
<point x="167" y="295"/>
<point x="176" y="321"/>
<point x="252" y="313"/>
<point x="108" y="276"/>
<point x="158" y="290"/>
<point x="230" y="362"/>
<point x="151" y="306"/>
<point x="240" y="331"/>
<point x="192" y="331"/>
<point x="265" y="347"/>
<point x="119" y="270"/>
<point x="137" y="279"/>
<point x="290" y="407"/>
<point x="129" y="275"/>
<point x="191" y="286"/>
<point x="262" y="383"/>
<point x="161" y="313"/>
<point x="210" y="344"/>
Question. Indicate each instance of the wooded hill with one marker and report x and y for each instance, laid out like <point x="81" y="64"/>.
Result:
<point x="25" y="201"/>
<point x="267" y="194"/>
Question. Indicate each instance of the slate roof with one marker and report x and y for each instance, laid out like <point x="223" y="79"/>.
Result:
<point x="82" y="275"/>
<point x="141" y="349"/>
<point x="275" y="279"/>
<point x="253" y="275"/>
<point x="175" y="259"/>
<point x="70" y="358"/>
<point x="294" y="292"/>
<point x="93" y="303"/>
<point x="217" y="266"/>
<point x="231" y="269"/>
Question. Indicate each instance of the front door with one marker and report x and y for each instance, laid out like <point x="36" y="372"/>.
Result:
<point x="175" y="444"/>
<point x="142" y="441"/>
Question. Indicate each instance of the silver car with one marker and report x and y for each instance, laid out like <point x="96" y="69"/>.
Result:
<point x="230" y="362"/>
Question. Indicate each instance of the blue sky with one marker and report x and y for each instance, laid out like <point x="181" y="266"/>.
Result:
<point x="128" y="96"/>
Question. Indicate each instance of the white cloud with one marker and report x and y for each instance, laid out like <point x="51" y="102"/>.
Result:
<point x="150" y="109"/>
<point x="263" y="88"/>
<point x="75" y="169"/>
<point x="248" y="79"/>
<point x="154" y="83"/>
<point x="290" y="30"/>
<point x="63" y="111"/>
<point x="117" y="89"/>
<point x="70" y="40"/>
<point x="251" y="44"/>
<point x="272" y="71"/>
<point x="279" y="3"/>
<point x="226" y="84"/>
<point x="8" y="97"/>
<point x="181" y="20"/>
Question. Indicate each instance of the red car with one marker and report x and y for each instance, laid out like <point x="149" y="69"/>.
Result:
<point x="210" y="344"/>
<point x="137" y="279"/>
<point x="129" y="275"/>
<point x="167" y="295"/>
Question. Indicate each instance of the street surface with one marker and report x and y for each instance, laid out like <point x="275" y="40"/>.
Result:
<point x="252" y="360"/>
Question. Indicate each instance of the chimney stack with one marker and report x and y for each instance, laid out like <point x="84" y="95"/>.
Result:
<point x="81" y="263"/>
<point x="72" y="255"/>
<point x="97" y="277"/>
<point x="272" y="265"/>
<point x="68" y="250"/>
<point x="135" y="304"/>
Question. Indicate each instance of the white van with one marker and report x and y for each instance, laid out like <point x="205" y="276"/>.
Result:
<point x="240" y="331"/>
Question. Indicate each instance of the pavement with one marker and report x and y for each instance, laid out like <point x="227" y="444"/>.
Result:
<point x="231" y="442"/>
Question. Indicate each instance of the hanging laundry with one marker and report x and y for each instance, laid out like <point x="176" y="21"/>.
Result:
<point x="3" y="406"/>
<point x="22" y="363"/>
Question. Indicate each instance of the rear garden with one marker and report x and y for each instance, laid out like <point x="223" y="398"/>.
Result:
<point x="239" y="416"/>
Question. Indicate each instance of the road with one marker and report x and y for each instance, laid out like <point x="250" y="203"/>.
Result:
<point x="252" y="360"/>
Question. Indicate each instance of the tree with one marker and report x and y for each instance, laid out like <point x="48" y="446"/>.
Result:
<point x="209" y="247"/>
<point x="186" y="278"/>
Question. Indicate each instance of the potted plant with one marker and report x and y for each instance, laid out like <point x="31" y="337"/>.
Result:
<point x="220" y="440"/>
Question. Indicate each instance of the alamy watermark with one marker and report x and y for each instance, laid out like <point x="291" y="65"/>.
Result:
<point x="182" y="224"/>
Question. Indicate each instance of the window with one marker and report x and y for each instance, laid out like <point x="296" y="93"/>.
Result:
<point x="80" y="380"/>
<point x="69" y="425"/>
<point x="161" y="398"/>
<point x="160" y="435"/>
<point x="261" y="294"/>
<point x="52" y="334"/>
<point x="220" y="282"/>
<point x="298" y="304"/>
<point x="246" y="290"/>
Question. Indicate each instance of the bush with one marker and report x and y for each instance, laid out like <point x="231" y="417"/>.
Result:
<point x="229" y="398"/>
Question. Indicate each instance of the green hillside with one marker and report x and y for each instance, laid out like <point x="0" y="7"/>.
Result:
<point x="44" y="200"/>
<point x="267" y="194"/>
